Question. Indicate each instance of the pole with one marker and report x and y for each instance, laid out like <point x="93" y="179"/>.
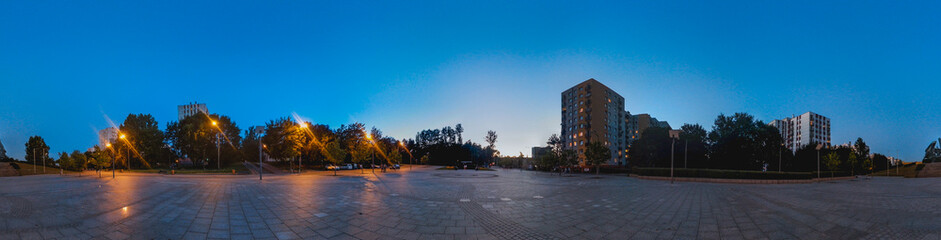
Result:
<point x="779" y="159"/>
<point x="218" y="153"/>
<point x="113" y="158"/>
<point x="818" y="163"/>
<point x="672" y="143"/>
<point x="260" y="170"/>
<point x="44" y="162"/>
<point x="373" y="167"/>
<point x="686" y="155"/>
<point x="34" y="161"/>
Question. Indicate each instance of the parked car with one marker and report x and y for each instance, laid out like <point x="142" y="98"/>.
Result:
<point x="395" y="166"/>
<point x="340" y="167"/>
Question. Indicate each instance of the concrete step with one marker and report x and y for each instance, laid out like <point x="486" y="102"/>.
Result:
<point x="931" y="170"/>
<point x="7" y="170"/>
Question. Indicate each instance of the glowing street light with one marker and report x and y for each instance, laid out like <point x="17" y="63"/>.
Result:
<point x="402" y="144"/>
<point x="112" y="157"/>
<point x="373" y="167"/>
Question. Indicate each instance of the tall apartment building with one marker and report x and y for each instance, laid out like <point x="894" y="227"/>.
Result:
<point x="802" y="130"/>
<point x="593" y="112"/>
<point x="184" y="111"/>
<point x="107" y="135"/>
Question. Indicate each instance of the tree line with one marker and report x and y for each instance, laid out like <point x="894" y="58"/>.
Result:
<point x="735" y="142"/>
<point x="211" y="140"/>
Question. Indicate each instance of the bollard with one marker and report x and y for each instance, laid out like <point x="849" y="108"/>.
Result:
<point x="172" y="172"/>
<point x="233" y="171"/>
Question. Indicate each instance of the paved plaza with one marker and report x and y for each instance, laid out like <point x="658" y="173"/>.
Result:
<point x="425" y="203"/>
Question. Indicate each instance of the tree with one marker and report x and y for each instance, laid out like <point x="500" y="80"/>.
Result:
<point x="64" y="161"/>
<point x="596" y="154"/>
<point x="862" y="152"/>
<point x="832" y="162"/>
<point x="739" y="141"/>
<point x="284" y="139"/>
<point x="491" y="139"/>
<point x="693" y="138"/>
<point x="458" y="128"/>
<point x="853" y="162"/>
<point x="79" y="161"/>
<point x="652" y="149"/>
<point x="37" y="150"/>
<point x="335" y="154"/>
<point x="146" y="139"/>
<point x="195" y="137"/>
<point x="360" y="154"/>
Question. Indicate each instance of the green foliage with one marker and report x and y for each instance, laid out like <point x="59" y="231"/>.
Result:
<point x="693" y="139"/>
<point x="596" y="154"/>
<point x="79" y="161"/>
<point x="441" y="147"/>
<point x="739" y="141"/>
<point x="195" y="137"/>
<point x="832" y="161"/>
<point x="64" y="161"/>
<point x="284" y="139"/>
<point x="145" y="136"/>
<point x="726" y="174"/>
<point x="652" y="149"/>
<point x="37" y="145"/>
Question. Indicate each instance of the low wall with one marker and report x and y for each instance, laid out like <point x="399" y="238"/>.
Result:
<point x="744" y="181"/>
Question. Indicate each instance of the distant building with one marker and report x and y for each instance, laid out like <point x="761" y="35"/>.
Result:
<point x="593" y="112"/>
<point x="640" y="122"/>
<point x="802" y="130"/>
<point x="538" y="152"/>
<point x="107" y="135"/>
<point x="184" y="111"/>
<point x="675" y="133"/>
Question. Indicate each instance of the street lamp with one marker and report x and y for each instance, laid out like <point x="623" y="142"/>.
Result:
<point x="112" y="159"/>
<point x="372" y="153"/>
<point x="672" y="143"/>
<point x="819" y="146"/>
<point x="127" y="155"/>
<point x="409" y="154"/>
<point x="299" y="158"/>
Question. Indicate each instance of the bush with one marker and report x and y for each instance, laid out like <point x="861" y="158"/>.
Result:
<point x="726" y="174"/>
<point x="15" y="166"/>
<point x="919" y="167"/>
<point x="826" y="174"/>
<point x="614" y="169"/>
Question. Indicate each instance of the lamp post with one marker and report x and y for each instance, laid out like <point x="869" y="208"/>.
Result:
<point x="372" y="153"/>
<point x="686" y="155"/>
<point x="779" y="156"/>
<point x="299" y="158"/>
<point x="819" y="146"/>
<point x="672" y="143"/>
<point x="112" y="159"/>
<point x="409" y="155"/>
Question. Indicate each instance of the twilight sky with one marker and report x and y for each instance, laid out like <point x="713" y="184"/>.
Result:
<point x="873" y="67"/>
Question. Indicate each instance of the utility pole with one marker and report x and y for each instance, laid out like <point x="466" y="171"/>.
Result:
<point x="46" y="155"/>
<point x="686" y="155"/>
<point x="218" y="152"/>
<point x="779" y="158"/>
<point x="671" y="160"/>
<point x="34" y="161"/>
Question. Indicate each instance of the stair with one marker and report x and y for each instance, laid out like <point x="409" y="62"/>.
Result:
<point x="931" y="170"/>
<point x="270" y="169"/>
<point x="7" y="170"/>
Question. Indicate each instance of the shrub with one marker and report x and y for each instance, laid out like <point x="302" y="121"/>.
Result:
<point x="717" y="173"/>
<point x="919" y="167"/>
<point x="15" y="166"/>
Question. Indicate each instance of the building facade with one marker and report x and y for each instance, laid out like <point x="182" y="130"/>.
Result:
<point x="802" y="130"/>
<point x="636" y="125"/>
<point x="107" y="135"/>
<point x="593" y="112"/>
<point x="184" y="111"/>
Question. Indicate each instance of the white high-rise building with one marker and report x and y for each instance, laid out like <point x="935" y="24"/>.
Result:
<point x="802" y="130"/>
<point x="191" y="109"/>
<point x="107" y="135"/>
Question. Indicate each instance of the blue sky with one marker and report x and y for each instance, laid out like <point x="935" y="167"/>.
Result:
<point x="873" y="67"/>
